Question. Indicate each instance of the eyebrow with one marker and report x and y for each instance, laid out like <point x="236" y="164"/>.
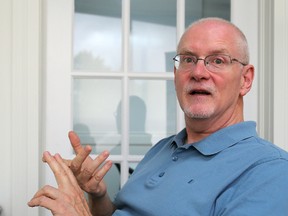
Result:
<point x="187" y="52"/>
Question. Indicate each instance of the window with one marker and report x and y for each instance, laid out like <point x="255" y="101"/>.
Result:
<point x="123" y="93"/>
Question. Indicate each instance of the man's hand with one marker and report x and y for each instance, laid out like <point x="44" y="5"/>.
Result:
<point x="88" y="172"/>
<point x="66" y="200"/>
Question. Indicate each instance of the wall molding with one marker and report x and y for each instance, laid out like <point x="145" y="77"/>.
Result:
<point x="273" y="71"/>
<point x="265" y="68"/>
<point x="25" y="105"/>
<point x="281" y="73"/>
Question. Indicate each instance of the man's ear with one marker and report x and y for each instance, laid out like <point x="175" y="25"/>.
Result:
<point x="247" y="79"/>
<point x="174" y="77"/>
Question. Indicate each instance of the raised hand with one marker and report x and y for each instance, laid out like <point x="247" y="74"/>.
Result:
<point x="88" y="172"/>
<point x="66" y="200"/>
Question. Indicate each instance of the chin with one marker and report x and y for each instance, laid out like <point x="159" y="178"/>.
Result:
<point x="198" y="115"/>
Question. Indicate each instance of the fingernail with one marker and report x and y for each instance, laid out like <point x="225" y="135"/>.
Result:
<point x="46" y="153"/>
<point x="105" y="153"/>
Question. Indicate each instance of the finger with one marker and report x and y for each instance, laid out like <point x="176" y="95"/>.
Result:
<point x="99" y="175"/>
<point x="77" y="162"/>
<point x="73" y="181"/>
<point x="67" y="162"/>
<point x="90" y="168"/>
<point x="47" y="191"/>
<point x="99" y="160"/>
<point x="57" y="207"/>
<point x="43" y="160"/>
<point x="60" y="174"/>
<point x="75" y="141"/>
<point x="43" y="201"/>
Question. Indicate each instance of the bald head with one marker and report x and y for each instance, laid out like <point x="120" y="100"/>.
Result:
<point x="237" y="37"/>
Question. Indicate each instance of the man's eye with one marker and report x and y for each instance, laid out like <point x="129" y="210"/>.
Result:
<point x="218" y="61"/>
<point x="188" y="60"/>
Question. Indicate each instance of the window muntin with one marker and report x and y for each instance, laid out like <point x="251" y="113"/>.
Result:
<point x="133" y="58"/>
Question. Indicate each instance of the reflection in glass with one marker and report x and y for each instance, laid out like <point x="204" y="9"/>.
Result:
<point x="112" y="180"/>
<point x="133" y="165"/>
<point x="152" y="113"/>
<point x="94" y="106"/>
<point x="97" y="35"/>
<point x="195" y="9"/>
<point x="153" y="35"/>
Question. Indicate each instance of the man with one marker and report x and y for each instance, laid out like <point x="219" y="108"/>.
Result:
<point x="217" y="165"/>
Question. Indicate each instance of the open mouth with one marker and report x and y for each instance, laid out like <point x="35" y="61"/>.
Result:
<point x="199" y="92"/>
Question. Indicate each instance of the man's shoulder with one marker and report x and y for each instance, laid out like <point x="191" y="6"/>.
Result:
<point x="270" y="150"/>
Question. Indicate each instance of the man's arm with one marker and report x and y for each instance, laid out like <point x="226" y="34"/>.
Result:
<point x="101" y="206"/>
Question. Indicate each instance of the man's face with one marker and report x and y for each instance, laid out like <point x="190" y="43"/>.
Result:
<point x="203" y="94"/>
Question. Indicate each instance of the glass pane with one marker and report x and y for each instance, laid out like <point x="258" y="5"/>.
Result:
<point x="152" y="113"/>
<point x="112" y="180"/>
<point x="94" y="115"/>
<point x="195" y="9"/>
<point x="97" y="35"/>
<point x="132" y="167"/>
<point x="153" y="35"/>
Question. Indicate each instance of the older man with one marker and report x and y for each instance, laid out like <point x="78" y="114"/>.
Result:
<point x="217" y="165"/>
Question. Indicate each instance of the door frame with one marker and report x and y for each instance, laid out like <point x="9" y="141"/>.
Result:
<point x="20" y="60"/>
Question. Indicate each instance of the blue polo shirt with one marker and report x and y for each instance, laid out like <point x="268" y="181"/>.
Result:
<point x="232" y="172"/>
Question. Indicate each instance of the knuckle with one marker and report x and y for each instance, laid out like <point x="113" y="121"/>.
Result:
<point x="46" y="189"/>
<point x="61" y="173"/>
<point x="74" y="166"/>
<point x="42" y="200"/>
<point x="87" y="172"/>
<point x="97" y="177"/>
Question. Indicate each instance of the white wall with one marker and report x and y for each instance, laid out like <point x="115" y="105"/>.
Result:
<point x="247" y="23"/>
<point x="19" y="110"/>
<point x="280" y="72"/>
<point x="5" y="108"/>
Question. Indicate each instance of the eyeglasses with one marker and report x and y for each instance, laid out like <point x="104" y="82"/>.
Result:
<point x="214" y="63"/>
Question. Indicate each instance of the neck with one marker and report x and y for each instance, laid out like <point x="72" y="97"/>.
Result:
<point x="197" y="129"/>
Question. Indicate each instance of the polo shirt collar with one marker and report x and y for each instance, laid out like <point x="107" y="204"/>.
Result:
<point x="219" y="140"/>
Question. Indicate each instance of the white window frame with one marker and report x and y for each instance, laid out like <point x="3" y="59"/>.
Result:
<point x="125" y="158"/>
<point x="56" y="109"/>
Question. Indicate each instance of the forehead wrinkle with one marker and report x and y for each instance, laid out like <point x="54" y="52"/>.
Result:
<point x="219" y="51"/>
<point x="210" y="52"/>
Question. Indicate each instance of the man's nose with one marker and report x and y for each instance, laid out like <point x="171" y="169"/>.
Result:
<point x="199" y="70"/>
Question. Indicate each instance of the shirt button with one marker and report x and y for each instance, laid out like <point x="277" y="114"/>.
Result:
<point x="174" y="158"/>
<point x="161" y="174"/>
